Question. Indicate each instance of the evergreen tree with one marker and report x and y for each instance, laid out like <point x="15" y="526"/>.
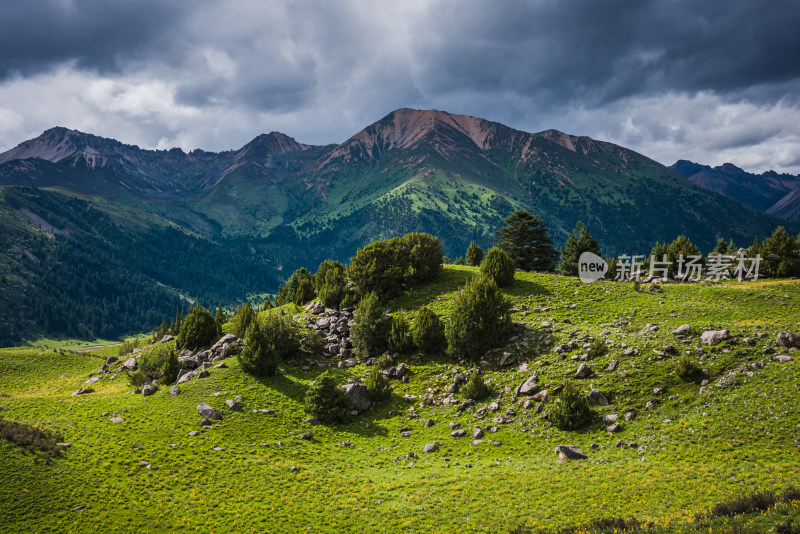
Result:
<point x="258" y="357"/>
<point x="282" y="334"/>
<point x="526" y="242"/>
<point x="169" y="371"/>
<point x="499" y="267"/>
<point x="400" y="339"/>
<point x="425" y="256"/>
<point x="325" y="401"/>
<point x="721" y="248"/>
<point x="331" y="283"/>
<point x="295" y="290"/>
<point x="474" y="254"/>
<point x="428" y="331"/>
<point x="198" y="329"/>
<point x="242" y="320"/>
<point x="380" y="268"/>
<point x="573" y="411"/>
<point x="371" y="327"/>
<point x="220" y="318"/>
<point x="780" y="255"/>
<point x="480" y="320"/>
<point x="378" y="387"/>
<point x="578" y="242"/>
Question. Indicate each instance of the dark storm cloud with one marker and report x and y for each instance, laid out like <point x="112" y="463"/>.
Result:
<point x="36" y="35"/>
<point x="603" y="51"/>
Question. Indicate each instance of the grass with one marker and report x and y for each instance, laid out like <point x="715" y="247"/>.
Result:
<point x="697" y="449"/>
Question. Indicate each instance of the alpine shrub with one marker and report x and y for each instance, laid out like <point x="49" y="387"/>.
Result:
<point x="371" y="327"/>
<point x="428" y="331"/>
<point x="281" y="333"/>
<point x="573" y="410"/>
<point x="169" y="371"/>
<point x="258" y="357"/>
<point x="331" y="283"/>
<point x="325" y="401"/>
<point x="480" y="319"/>
<point x="400" y="339"/>
<point x="242" y="320"/>
<point x="474" y="254"/>
<point x="378" y="387"/>
<point x="687" y="369"/>
<point x="499" y="267"/>
<point x="199" y="329"/>
<point x="475" y="388"/>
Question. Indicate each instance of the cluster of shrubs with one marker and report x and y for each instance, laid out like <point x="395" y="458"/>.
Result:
<point x="159" y="363"/>
<point x="43" y="443"/>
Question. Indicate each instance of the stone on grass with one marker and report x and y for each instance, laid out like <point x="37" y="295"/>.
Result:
<point x="616" y="427"/>
<point x="148" y="390"/>
<point x="116" y="419"/>
<point x="194" y="433"/>
<point x="430" y="447"/>
<point x="570" y="452"/>
<point x="682" y="329"/>
<point x="130" y="363"/>
<point x="583" y="371"/>
<point x="358" y="396"/>
<point x="460" y="433"/>
<point x="477" y="432"/>
<point x="788" y="339"/>
<point x="82" y="391"/>
<point x="598" y="397"/>
<point x="714" y="337"/>
<point x="208" y="412"/>
<point x="93" y="380"/>
<point x="528" y="387"/>
<point x="174" y="391"/>
<point x="783" y="358"/>
<point x="429" y="423"/>
<point x="232" y="404"/>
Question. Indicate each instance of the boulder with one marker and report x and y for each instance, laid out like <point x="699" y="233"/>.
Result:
<point x="788" y="339"/>
<point x="184" y="376"/>
<point x="208" y="412"/>
<point x="528" y="387"/>
<point x="583" y="371"/>
<point x="82" y="391"/>
<point x="506" y="360"/>
<point x="460" y="433"/>
<point x="429" y="423"/>
<point x="116" y="419"/>
<point x="682" y="329"/>
<point x="93" y="380"/>
<point x="430" y="447"/>
<point x="630" y="415"/>
<point x="232" y="404"/>
<point x="714" y="337"/>
<point x="614" y="428"/>
<point x="167" y="338"/>
<point x="783" y="358"/>
<point x="130" y="363"/>
<point x="611" y="365"/>
<point x="148" y="390"/>
<point x="542" y="396"/>
<point x="174" y="391"/>
<point x="477" y="432"/>
<point x="358" y="396"/>
<point x="598" y="397"/>
<point x="570" y="452"/>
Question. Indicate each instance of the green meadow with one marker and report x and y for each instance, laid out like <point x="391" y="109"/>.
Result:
<point x="697" y="446"/>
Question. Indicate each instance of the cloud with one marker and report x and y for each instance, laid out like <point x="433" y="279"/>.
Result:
<point x="672" y="79"/>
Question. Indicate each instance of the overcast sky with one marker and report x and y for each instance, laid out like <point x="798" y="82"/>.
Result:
<point x="711" y="81"/>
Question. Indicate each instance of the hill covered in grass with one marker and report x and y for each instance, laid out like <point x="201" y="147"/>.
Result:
<point x="139" y="462"/>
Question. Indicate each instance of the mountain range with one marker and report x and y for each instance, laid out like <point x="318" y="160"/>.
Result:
<point x="277" y="204"/>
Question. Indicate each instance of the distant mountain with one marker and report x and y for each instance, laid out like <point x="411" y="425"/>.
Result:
<point x="770" y="192"/>
<point x="277" y="204"/>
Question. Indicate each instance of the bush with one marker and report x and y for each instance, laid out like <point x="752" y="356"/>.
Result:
<point x="305" y="292"/>
<point x="400" y="340"/>
<point x="597" y="349"/>
<point x="151" y="366"/>
<point x="331" y="283"/>
<point x="745" y="504"/>
<point x="428" y="331"/>
<point x="474" y="254"/>
<point x="378" y="387"/>
<point x="128" y="345"/>
<point x="475" y="388"/>
<point x="370" y="328"/>
<point x="425" y="256"/>
<point x="499" y="267"/>
<point x="573" y="411"/>
<point x="325" y="401"/>
<point x="242" y="320"/>
<point x="380" y="268"/>
<point x="313" y="343"/>
<point x="687" y="369"/>
<point x="170" y="369"/>
<point x="31" y="438"/>
<point x="199" y="329"/>
<point x="281" y="333"/>
<point x="294" y="290"/>
<point x="480" y="319"/>
<point x="258" y="357"/>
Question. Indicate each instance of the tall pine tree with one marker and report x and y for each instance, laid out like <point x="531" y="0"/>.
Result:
<point x="578" y="242"/>
<point x="526" y="242"/>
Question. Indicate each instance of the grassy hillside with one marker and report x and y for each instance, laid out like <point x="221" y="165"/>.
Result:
<point x="694" y="448"/>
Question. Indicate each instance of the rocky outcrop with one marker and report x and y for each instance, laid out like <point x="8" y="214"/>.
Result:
<point x="334" y="326"/>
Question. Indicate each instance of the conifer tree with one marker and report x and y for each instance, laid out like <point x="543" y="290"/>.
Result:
<point x="578" y="242"/>
<point x="525" y="240"/>
<point x="474" y="254"/>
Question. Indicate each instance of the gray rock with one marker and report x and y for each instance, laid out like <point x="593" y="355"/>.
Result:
<point x="610" y="418"/>
<point x="208" y="412"/>
<point x="611" y="365"/>
<point x="570" y="452"/>
<point x="184" y="376"/>
<point x="506" y="360"/>
<point x="788" y="339"/>
<point x="682" y="329"/>
<point x="460" y="433"/>
<point x="167" y="338"/>
<point x="358" y="396"/>
<point x="783" y="358"/>
<point x="542" y="396"/>
<point x="194" y="433"/>
<point x="630" y="415"/>
<point x="93" y="380"/>
<point x="79" y="508"/>
<point x="477" y="432"/>
<point x="82" y="391"/>
<point x="148" y="390"/>
<point x="528" y="387"/>
<point x="130" y="363"/>
<point x="116" y="419"/>
<point x="313" y="421"/>
<point x="174" y="391"/>
<point x="430" y="447"/>
<point x="714" y="337"/>
<point x="454" y="424"/>
<point x="293" y="469"/>
<point x="203" y="374"/>
<point x="233" y="405"/>
<point x="583" y="371"/>
<point x="614" y="428"/>
<point x="598" y="397"/>
<point x="429" y="423"/>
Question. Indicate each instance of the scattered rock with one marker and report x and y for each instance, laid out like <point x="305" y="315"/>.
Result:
<point x="82" y="391"/>
<point x="630" y="415"/>
<point x="454" y="424"/>
<point x="313" y="421"/>
<point x="682" y="329"/>
<point x="460" y="433"/>
<point x="430" y="447"/>
<point x="477" y="432"/>
<point x="614" y="428"/>
<point x="610" y="418"/>
<point x="174" y="391"/>
<point x="208" y="412"/>
<point x="148" y="390"/>
<point x="783" y="358"/>
<point x="184" y="376"/>
<point x="116" y="419"/>
<point x="542" y="396"/>
<point x="429" y="423"/>
<point x="570" y="452"/>
<point x="233" y="405"/>
<point x="506" y="360"/>
<point x="611" y="365"/>
<point x="788" y="339"/>
<point x="358" y="396"/>
<point x="598" y="397"/>
<point x="194" y="433"/>
<point x="79" y="508"/>
<point x="293" y="469"/>
<point x="583" y="371"/>
<point x="714" y="337"/>
<point x="93" y="380"/>
<point x="130" y="363"/>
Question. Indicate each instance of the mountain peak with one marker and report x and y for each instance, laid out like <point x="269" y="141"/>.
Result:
<point x="276" y="143"/>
